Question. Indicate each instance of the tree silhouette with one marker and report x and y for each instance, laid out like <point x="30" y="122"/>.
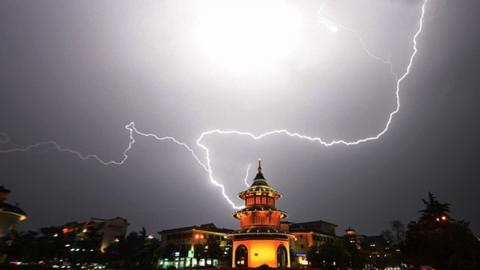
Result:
<point x="439" y="241"/>
<point x="398" y="231"/>
<point x="434" y="210"/>
<point x="137" y="251"/>
<point x="330" y="255"/>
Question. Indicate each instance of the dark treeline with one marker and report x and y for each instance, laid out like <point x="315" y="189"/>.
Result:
<point x="435" y="239"/>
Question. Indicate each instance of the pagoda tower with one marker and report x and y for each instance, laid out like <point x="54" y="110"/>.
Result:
<point x="259" y="240"/>
<point x="10" y="215"/>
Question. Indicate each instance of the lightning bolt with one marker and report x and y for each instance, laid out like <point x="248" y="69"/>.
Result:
<point x="206" y="165"/>
<point x="328" y="24"/>
<point x="245" y="179"/>
<point x="81" y="156"/>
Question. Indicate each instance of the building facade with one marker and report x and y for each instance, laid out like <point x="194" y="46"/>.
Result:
<point x="308" y="235"/>
<point x="105" y="232"/>
<point x="194" y="246"/>
<point x="260" y="240"/>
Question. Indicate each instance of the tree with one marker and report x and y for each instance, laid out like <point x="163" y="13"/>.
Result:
<point x="214" y="250"/>
<point x="165" y="252"/>
<point x="439" y="241"/>
<point x="330" y="255"/>
<point x="394" y="240"/>
<point x="434" y="210"/>
<point x="388" y="236"/>
<point x="24" y="247"/>
<point x="398" y="231"/>
<point x="137" y="250"/>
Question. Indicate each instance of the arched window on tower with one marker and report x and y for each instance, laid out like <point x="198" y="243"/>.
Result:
<point x="241" y="256"/>
<point x="282" y="259"/>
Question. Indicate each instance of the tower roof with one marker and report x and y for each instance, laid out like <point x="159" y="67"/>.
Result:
<point x="259" y="179"/>
<point x="259" y="184"/>
<point x="4" y="190"/>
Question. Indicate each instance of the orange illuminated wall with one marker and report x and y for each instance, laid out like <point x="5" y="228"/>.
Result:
<point x="262" y="252"/>
<point x="261" y="218"/>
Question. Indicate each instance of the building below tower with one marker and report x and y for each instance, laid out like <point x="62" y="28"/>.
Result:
<point x="308" y="235"/>
<point x="103" y="232"/>
<point x="194" y="246"/>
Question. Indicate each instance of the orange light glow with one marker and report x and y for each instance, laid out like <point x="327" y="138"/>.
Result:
<point x="261" y="252"/>
<point x="351" y="232"/>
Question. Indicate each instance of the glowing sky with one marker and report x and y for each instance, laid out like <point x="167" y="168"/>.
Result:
<point x="78" y="72"/>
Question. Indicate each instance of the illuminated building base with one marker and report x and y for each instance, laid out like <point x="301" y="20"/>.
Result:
<point x="181" y="263"/>
<point x="273" y="253"/>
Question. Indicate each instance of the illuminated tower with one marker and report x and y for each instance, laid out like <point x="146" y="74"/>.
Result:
<point x="10" y="215"/>
<point x="259" y="240"/>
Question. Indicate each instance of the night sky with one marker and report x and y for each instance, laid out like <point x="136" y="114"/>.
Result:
<point x="77" y="72"/>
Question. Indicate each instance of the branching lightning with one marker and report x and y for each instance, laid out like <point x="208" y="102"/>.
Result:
<point x="206" y="165"/>
<point x="245" y="179"/>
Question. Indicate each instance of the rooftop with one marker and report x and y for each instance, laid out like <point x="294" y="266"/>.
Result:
<point x="259" y="179"/>
<point x="5" y="207"/>
<point x="204" y="227"/>
<point x="4" y="190"/>
<point x="318" y="226"/>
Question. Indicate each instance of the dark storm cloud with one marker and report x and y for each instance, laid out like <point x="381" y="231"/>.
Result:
<point x="77" y="72"/>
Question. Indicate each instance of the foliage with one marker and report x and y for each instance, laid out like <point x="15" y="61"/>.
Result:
<point x="442" y="243"/>
<point x="358" y="255"/>
<point x="53" y="244"/>
<point x="136" y="250"/>
<point x="329" y="255"/>
<point x="433" y="209"/>
<point x="213" y="250"/>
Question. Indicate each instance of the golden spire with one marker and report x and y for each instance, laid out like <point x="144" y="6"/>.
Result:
<point x="260" y="171"/>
